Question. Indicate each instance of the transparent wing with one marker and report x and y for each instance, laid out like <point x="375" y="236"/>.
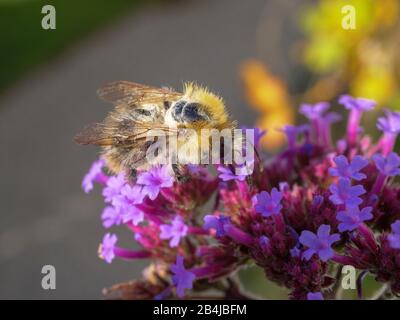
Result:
<point x="131" y="93"/>
<point x="102" y="135"/>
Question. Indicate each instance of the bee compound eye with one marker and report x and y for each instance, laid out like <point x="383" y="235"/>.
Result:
<point x="191" y="112"/>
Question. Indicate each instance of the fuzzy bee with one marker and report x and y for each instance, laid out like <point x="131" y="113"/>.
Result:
<point x="142" y="113"/>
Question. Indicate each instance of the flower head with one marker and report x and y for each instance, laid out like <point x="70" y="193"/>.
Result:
<point x="352" y="217"/>
<point x="319" y="243"/>
<point x="132" y="214"/>
<point x="217" y="223"/>
<point x="345" y="170"/>
<point x="315" y="296"/>
<point x="345" y="193"/>
<point x="113" y="187"/>
<point x="106" y="249"/>
<point x="390" y="123"/>
<point x="389" y="166"/>
<point x="268" y="204"/>
<point x="264" y="242"/>
<point x="359" y="104"/>
<point x="95" y="172"/>
<point x="292" y="132"/>
<point x="175" y="231"/>
<point x="133" y="194"/>
<point x="154" y="180"/>
<point x="226" y="174"/>
<point x="394" y="237"/>
<point x="182" y="278"/>
<point x="315" y="111"/>
<point x="111" y="216"/>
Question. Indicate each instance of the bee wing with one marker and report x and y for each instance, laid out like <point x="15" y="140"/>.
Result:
<point x="94" y="133"/>
<point x="131" y="93"/>
<point x="102" y="135"/>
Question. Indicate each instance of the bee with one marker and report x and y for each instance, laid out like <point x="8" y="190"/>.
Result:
<point x="141" y="110"/>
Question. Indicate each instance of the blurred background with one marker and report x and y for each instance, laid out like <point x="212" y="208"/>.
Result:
<point x="262" y="56"/>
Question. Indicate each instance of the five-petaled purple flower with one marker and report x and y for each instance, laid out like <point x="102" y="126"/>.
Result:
<point x="292" y="133"/>
<point x="217" y="223"/>
<point x="111" y="216"/>
<point x="394" y="237"/>
<point x="268" y="204"/>
<point x="124" y="205"/>
<point x="182" y="278"/>
<point x="352" y="217"/>
<point x="106" y="250"/>
<point x="154" y="180"/>
<point x="389" y="166"/>
<point x="345" y="170"/>
<point x="315" y="111"/>
<point x="390" y="123"/>
<point x="133" y="194"/>
<point x="175" y="231"/>
<point x="345" y="193"/>
<point x="113" y="187"/>
<point x="319" y="243"/>
<point x="359" y="104"/>
<point x="226" y="173"/>
<point x="95" y="172"/>
<point x="132" y="214"/>
<point x="315" y="296"/>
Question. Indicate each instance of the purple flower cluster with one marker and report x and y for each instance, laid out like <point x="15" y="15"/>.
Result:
<point x="300" y="216"/>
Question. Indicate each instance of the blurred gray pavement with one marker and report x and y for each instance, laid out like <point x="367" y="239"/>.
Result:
<point x="45" y="218"/>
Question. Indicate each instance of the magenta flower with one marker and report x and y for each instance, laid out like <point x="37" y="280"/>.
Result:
<point x="331" y="117"/>
<point x="133" y="215"/>
<point x="133" y="194"/>
<point x="315" y="111"/>
<point x="182" y="278"/>
<point x="319" y="243"/>
<point x="154" y="180"/>
<point x="292" y="133"/>
<point x="175" y="231"/>
<point x="268" y="204"/>
<point x="217" y="223"/>
<point x="360" y="104"/>
<point x="106" y="250"/>
<point x="345" y="170"/>
<point x="95" y="174"/>
<point x="394" y="237"/>
<point x="295" y="252"/>
<point x="293" y="245"/>
<point x="226" y="174"/>
<point x="345" y="193"/>
<point x="390" y="123"/>
<point x="389" y="166"/>
<point x="264" y="242"/>
<point x="111" y="216"/>
<point x="352" y="217"/>
<point x="113" y="187"/>
<point x="315" y="296"/>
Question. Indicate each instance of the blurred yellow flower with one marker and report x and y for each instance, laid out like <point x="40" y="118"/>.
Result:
<point x="363" y="60"/>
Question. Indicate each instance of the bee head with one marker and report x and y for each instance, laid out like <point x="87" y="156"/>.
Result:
<point x="200" y="108"/>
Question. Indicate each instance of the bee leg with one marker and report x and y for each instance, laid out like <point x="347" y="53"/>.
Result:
<point x="131" y="175"/>
<point x="250" y="181"/>
<point x="180" y="177"/>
